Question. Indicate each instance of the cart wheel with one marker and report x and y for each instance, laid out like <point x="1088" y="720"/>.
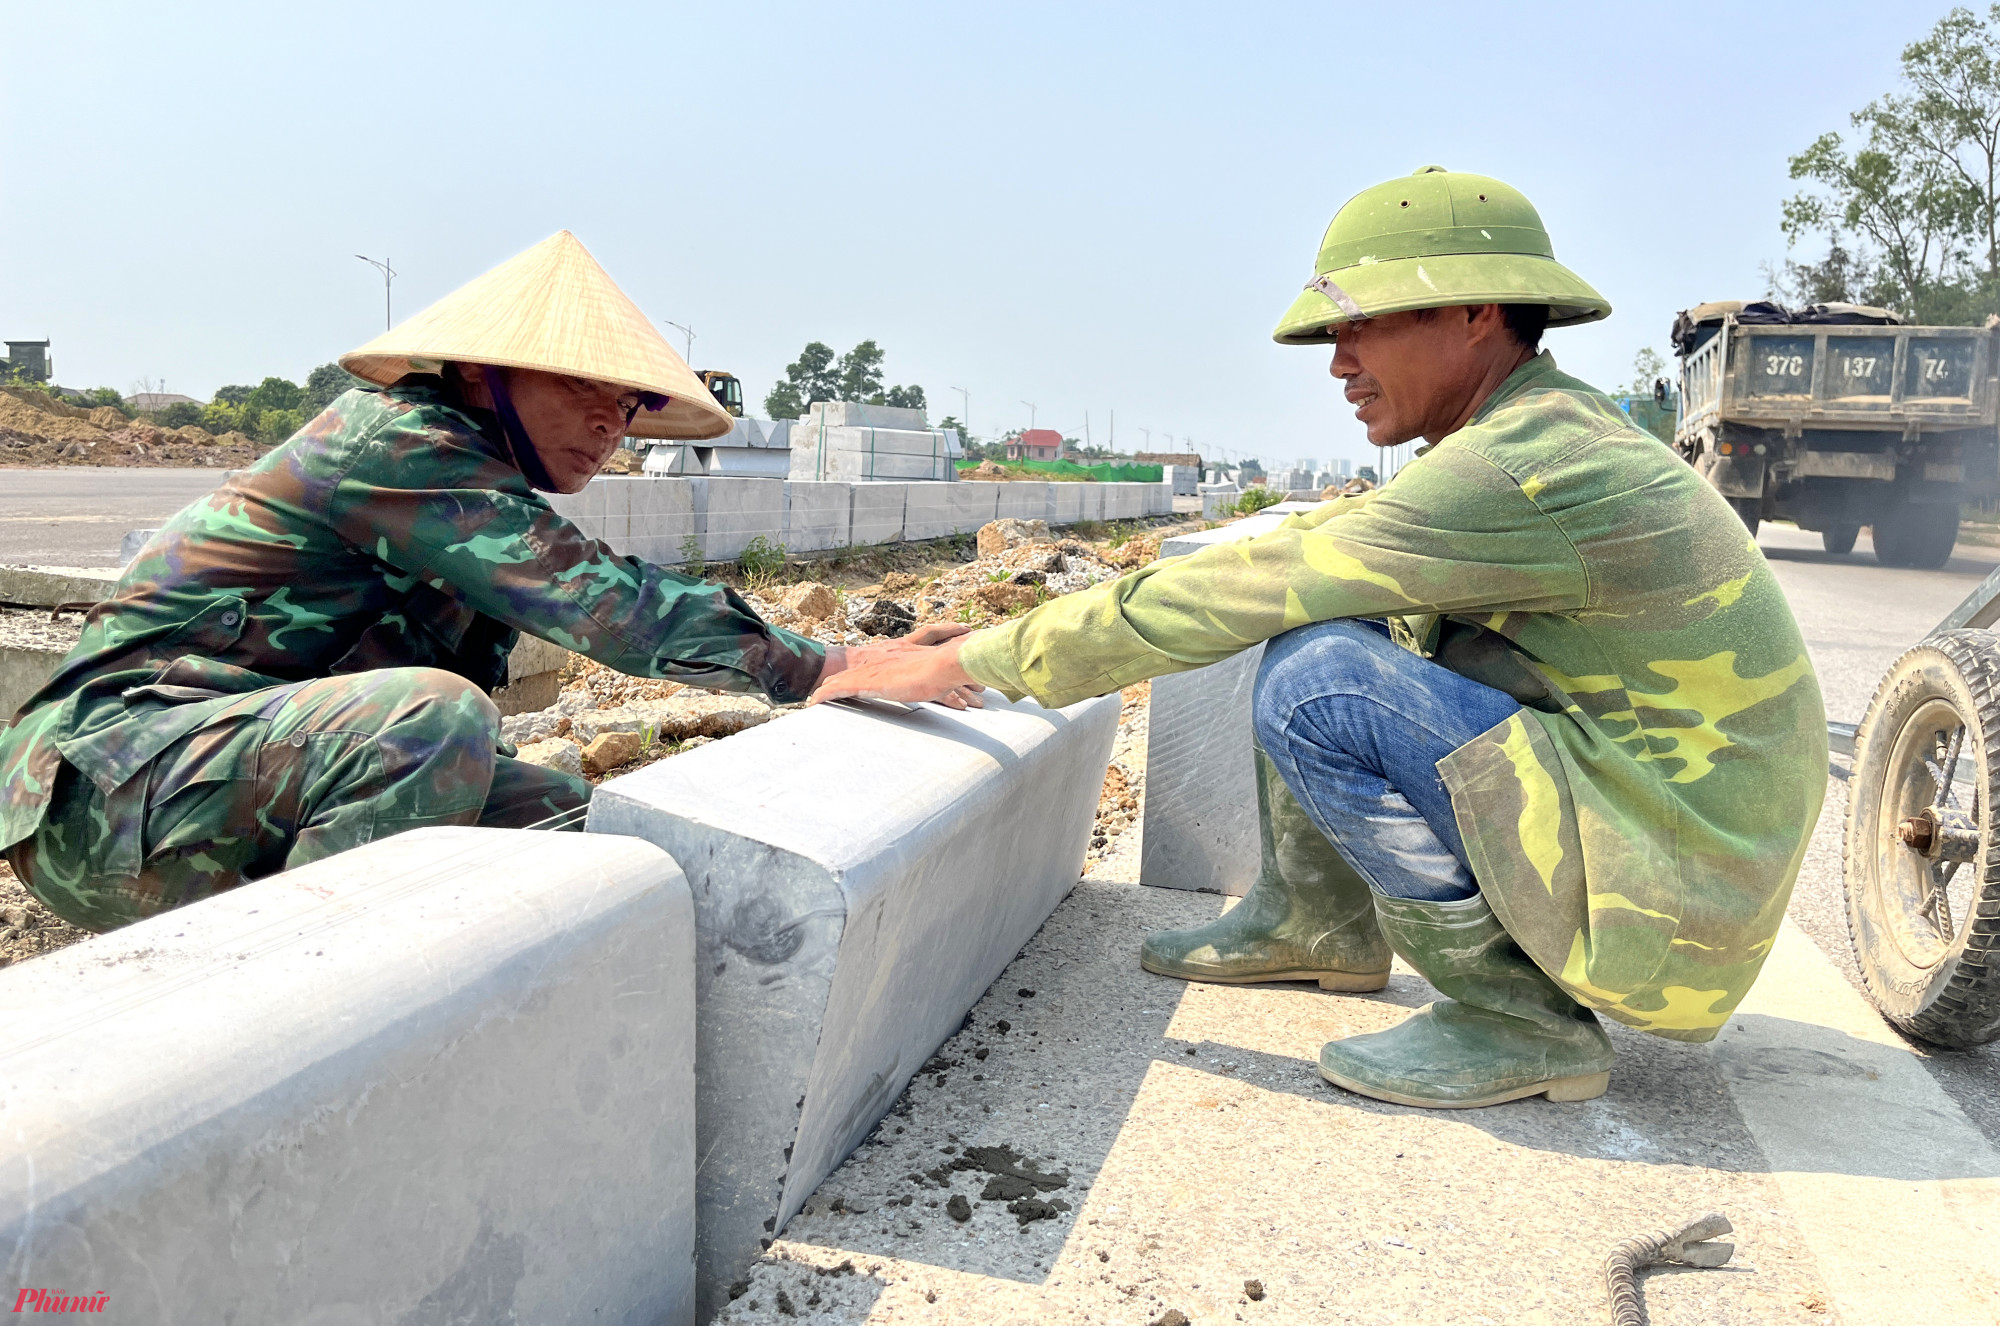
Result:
<point x="1922" y="866"/>
<point x="1748" y="509"/>
<point x="1839" y="539"/>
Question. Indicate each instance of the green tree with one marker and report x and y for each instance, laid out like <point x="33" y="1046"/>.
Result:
<point x="178" y="414"/>
<point x="232" y="395"/>
<point x="277" y="425"/>
<point x="811" y="377"/>
<point x="819" y="375"/>
<point x="1838" y="278"/>
<point x="277" y="394"/>
<point x="107" y="396"/>
<point x="1921" y="190"/>
<point x="1648" y="366"/>
<point x="220" y="416"/>
<point x="785" y="401"/>
<point x="324" y="383"/>
<point x="861" y="373"/>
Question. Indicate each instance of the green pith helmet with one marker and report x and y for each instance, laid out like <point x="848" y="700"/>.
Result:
<point x="1434" y="240"/>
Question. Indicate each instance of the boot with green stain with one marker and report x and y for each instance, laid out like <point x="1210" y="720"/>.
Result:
<point x="1308" y="917"/>
<point x="1505" y="1031"/>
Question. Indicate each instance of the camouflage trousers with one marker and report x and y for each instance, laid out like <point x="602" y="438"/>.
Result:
<point x="316" y="769"/>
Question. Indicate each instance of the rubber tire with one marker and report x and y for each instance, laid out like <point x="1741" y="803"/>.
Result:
<point x="1840" y="539"/>
<point x="1749" y="510"/>
<point x="1955" y="1000"/>
<point x="1918" y="536"/>
<point x="1937" y="538"/>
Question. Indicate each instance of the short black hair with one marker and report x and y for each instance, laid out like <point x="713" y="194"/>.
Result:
<point x="1525" y="322"/>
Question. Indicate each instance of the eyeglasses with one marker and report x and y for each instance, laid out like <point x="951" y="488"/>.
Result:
<point x="629" y="403"/>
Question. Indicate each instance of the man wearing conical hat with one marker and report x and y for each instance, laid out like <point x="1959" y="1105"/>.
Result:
<point x="300" y="662"/>
<point x="1534" y="715"/>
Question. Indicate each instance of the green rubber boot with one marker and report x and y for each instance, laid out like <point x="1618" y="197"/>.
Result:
<point x="1505" y="1032"/>
<point x="1308" y="917"/>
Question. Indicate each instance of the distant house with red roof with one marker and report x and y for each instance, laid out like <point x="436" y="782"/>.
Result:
<point x="1036" y="444"/>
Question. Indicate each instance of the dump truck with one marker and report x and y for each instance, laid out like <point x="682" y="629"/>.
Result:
<point x="1838" y="416"/>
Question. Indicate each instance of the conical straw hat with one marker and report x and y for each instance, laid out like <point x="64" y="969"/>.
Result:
<point x="551" y="308"/>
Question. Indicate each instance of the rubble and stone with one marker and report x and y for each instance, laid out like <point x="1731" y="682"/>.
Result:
<point x="1005" y="533"/>
<point x="559" y="753"/>
<point x="611" y="750"/>
<point x="36" y="429"/>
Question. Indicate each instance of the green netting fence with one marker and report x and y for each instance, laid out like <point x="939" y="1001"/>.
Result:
<point x="1070" y="469"/>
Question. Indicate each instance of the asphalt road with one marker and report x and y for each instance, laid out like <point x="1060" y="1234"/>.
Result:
<point x="74" y="515"/>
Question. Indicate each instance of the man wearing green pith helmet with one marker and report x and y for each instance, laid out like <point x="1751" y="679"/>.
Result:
<point x="1534" y="716"/>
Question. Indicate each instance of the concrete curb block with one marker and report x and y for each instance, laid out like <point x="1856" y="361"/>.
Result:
<point x="653" y="517"/>
<point x="877" y="512"/>
<point x="1201" y="779"/>
<point x="861" y="874"/>
<point x="444" y="1077"/>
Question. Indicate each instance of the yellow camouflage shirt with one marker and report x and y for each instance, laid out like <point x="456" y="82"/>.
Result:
<point x="1639" y="824"/>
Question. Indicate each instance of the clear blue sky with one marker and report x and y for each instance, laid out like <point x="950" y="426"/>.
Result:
<point x="1088" y="207"/>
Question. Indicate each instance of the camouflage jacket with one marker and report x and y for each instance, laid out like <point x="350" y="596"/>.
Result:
<point x="1639" y="824"/>
<point x="392" y="531"/>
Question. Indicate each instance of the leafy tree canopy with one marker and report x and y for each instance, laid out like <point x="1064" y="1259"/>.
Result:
<point x="324" y="383"/>
<point x="277" y="394"/>
<point x="785" y="401"/>
<point x="818" y="374"/>
<point x="1648" y="367"/>
<point x="232" y="395"/>
<point x="1911" y="209"/>
<point x="861" y="372"/>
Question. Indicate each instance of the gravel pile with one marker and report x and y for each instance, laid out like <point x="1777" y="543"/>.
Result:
<point x="34" y="628"/>
<point x="28" y="929"/>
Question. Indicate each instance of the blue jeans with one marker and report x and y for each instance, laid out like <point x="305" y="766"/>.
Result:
<point x="1356" y="725"/>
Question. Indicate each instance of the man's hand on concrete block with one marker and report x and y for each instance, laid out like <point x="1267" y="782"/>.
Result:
<point x="920" y="666"/>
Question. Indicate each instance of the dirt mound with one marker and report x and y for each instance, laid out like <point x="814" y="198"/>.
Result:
<point x="38" y="430"/>
<point x="18" y="416"/>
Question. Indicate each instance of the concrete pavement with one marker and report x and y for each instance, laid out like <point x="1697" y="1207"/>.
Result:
<point x="1200" y="1151"/>
<point x="1858" y="617"/>
<point x="74" y="515"/>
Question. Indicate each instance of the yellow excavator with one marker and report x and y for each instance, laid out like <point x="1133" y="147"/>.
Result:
<point x="727" y="388"/>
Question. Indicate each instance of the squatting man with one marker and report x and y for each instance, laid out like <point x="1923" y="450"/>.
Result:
<point x="1534" y="716"/>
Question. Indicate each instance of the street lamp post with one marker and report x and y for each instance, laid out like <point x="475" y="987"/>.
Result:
<point x="388" y="275"/>
<point x="1031" y="414"/>
<point x="689" y="332"/>
<point x="965" y="412"/>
